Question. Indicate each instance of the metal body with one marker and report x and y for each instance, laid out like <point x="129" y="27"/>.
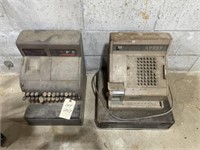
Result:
<point x="133" y="90"/>
<point x="137" y="70"/>
<point x="53" y="64"/>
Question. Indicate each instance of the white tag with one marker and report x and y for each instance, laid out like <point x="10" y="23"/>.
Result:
<point x="67" y="108"/>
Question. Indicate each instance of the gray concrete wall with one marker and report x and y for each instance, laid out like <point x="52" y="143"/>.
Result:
<point x="97" y="18"/>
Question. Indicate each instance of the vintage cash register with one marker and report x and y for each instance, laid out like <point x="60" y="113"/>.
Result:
<point x="133" y="91"/>
<point x="52" y="70"/>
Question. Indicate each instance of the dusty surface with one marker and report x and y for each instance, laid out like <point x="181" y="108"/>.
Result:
<point x="185" y="133"/>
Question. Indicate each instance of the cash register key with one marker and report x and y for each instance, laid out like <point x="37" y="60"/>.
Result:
<point x="57" y="99"/>
<point x="73" y="94"/>
<point x="49" y="99"/>
<point x="44" y="94"/>
<point x="27" y="94"/>
<point x="49" y="94"/>
<point x="32" y="99"/>
<point x="53" y="99"/>
<point x="53" y="94"/>
<point x="32" y="93"/>
<point x="66" y="94"/>
<point x="36" y="98"/>
<point x="57" y="94"/>
<point x="44" y="99"/>
<point x="36" y="94"/>
<point x="70" y="94"/>
<point x="28" y="98"/>
<point x="61" y="94"/>
<point x="41" y="99"/>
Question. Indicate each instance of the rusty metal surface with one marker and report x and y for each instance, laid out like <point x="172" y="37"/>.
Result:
<point x="52" y="69"/>
<point x="138" y="61"/>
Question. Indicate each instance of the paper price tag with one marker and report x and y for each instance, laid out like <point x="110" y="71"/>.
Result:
<point x="67" y="109"/>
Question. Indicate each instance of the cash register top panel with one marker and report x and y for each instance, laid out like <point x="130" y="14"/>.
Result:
<point x="63" y="37"/>
<point x="50" y="43"/>
<point x="140" y="38"/>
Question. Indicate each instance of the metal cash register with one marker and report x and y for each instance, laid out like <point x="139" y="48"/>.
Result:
<point x="133" y="91"/>
<point x="52" y="70"/>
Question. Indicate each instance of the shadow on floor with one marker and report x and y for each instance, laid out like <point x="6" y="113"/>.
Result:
<point x="83" y="137"/>
<point x="15" y="128"/>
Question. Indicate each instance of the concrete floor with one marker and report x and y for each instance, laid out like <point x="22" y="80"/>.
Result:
<point x="184" y="134"/>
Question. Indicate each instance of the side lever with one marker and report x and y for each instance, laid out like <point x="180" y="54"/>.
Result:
<point x="164" y="72"/>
